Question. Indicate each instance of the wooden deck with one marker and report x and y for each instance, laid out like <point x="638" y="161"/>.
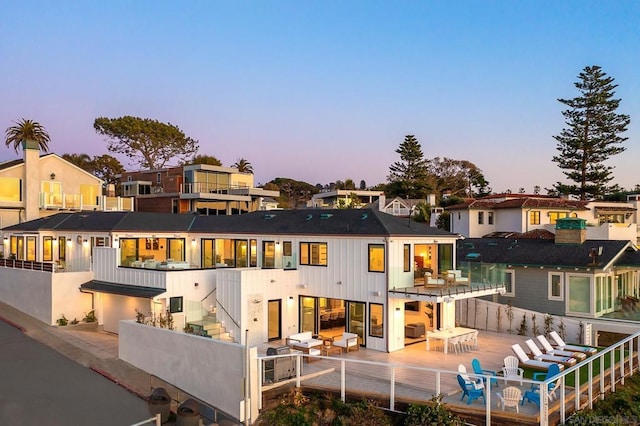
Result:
<point x="416" y="385"/>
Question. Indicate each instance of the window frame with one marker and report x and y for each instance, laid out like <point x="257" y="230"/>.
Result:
<point x="371" y="324"/>
<point x="550" y="286"/>
<point x="480" y="218"/>
<point x="370" y="252"/>
<point x="512" y="274"/>
<point x="407" y="257"/>
<point x="173" y="301"/>
<point x="534" y="217"/>
<point x="489" y="218"/>
<point x="306" y="253"/>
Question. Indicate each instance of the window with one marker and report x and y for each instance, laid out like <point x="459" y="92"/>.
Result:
<point x="31" y="248"/>
<point x="376" y="320"/>
<point x="490" y="218"/>
<point x="253" y="253"/>
<point x="268" y="254"/>
<point x="407" y="257"/>
<point x="158" y="178"/>
<point x="174" y="206"/>
<point x="509" y="282"/>
<point x="579" y="287"/>
<point x="554" y="216"/>
<point x="175" y="304"/>
<point x="10" y="189"/>
<point x="556" y="284"/>
<point x="288" y="259"/>
<point x="207" y="255"/>
<point x="534" y="217"/>
<point x="314" y="254"/>
<point x="376" y="258"/>
<point x="242" y="254"/>
<point x="47" y="249"/>
<point x="480" y="218"/>
<point x="176" y="249"/>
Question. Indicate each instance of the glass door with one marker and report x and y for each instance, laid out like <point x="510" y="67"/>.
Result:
<point x="307" y="314"/>
<point x="355" y="324"/>
<point x="275" y="319"/>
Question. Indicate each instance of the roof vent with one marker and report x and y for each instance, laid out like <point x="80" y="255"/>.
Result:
<point x="364" y="216"/>
<point x="309" y="216"/>
<point x="492" y="243"/>
<point x="325" y="215"/>
<point x="269" y="216"/>
<point x="472" y="256"/>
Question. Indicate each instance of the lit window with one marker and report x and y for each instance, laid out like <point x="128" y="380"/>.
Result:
<point x="376" y="258"/>
<point x="534" y="217"/>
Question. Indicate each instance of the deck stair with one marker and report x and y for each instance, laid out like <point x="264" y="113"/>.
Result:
<point x="209" y="326"/>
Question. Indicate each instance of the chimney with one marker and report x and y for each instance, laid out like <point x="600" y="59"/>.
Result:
<point x="111" y="190"/>
<point x="571" y="230"/>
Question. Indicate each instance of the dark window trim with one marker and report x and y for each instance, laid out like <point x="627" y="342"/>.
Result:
<point x="384" y="266"/>
<point x="309" y="244"/>
<point x="381" y="336"/>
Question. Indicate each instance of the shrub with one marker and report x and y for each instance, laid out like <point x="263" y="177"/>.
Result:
<point x="433" y="412"/>
<point x="62" y="320"/>
<point x="90" y="317"/>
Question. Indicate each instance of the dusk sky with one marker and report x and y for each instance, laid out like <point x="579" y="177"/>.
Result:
<point x="323" y="91"/>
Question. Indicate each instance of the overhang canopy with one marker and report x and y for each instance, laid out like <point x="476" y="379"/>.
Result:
<point x="122" y="289"/>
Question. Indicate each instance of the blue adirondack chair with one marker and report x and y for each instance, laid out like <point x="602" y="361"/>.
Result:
<point x="469" y="390"/>
<point x="533" y="395"/>
<point x="477" y="369"/>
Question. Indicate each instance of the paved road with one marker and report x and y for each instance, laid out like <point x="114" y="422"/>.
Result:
<point x="39" y="386"/>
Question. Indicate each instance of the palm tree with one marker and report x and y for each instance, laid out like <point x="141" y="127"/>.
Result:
<point x="28" y="134"/>
<point x="81" y="160"/>
<point x="243" y="166"/>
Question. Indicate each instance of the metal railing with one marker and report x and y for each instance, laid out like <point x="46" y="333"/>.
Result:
<point x="27" y="264"/>
<point x="623" y="360"/>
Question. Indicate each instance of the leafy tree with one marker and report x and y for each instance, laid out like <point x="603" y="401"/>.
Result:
<point x="293" y="193"/>
<point x="27" y="131"/>
<point x="106" y="168"/>
<point x="459" y="177"/>
<point x="243" y="166"/>
<point x="204" y="159"/>
<point x="592" y="135"/>
<point x="410" y="176"/>
<point x="146" y="142"/>
<point x="363" y="185"/>
<point x="81" y="160"/>
<point x="422" y="212"/>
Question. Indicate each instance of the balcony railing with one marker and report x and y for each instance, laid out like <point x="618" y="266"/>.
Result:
<point x="27" y="264"/>
<point x="207" y="187"/>
<point x="66" y="201"/>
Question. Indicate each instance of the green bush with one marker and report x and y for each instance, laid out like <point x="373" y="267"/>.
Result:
<point x="62" y="320"/>
<point x="433" y="412"/>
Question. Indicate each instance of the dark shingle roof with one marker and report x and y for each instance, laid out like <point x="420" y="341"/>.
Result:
<point x="522" y="203"/>
<point x="301" y="222"/>
<point x="533" y="252"/>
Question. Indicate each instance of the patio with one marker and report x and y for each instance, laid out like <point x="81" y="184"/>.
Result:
<point x="414" y="372"/>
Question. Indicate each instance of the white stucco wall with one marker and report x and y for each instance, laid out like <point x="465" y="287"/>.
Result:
<point x="210" y="370"/>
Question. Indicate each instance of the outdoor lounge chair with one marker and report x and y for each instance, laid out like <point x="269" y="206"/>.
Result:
<point x="546" y="346"/>
<point x="511" y="396"/>
<point x="511" y="371"/>
<point x="477" y="383"/>
<point x="469" y="391"/>
<point x="537" y="354"/>
<point x="533" y="395"/>
<point x="561" y="345"/>
<point x="477" y="369"/>
<point x="525" y="361"/>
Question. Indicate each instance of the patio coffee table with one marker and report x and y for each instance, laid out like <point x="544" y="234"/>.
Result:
<point x="327" y="350"/>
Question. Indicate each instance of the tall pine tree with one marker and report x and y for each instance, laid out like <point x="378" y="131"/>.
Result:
<point x="410" y="176"/>
<point x="591" y="137"/>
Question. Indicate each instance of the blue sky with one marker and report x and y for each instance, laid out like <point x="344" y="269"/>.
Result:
<point x="326" y="90"/>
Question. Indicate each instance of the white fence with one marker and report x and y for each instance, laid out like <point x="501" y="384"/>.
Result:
<point x="490" y="316"/>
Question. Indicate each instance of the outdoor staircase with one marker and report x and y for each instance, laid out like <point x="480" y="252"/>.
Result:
<point x="211" y="327"/>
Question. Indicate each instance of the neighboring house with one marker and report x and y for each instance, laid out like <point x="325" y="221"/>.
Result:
<point x="196" y="188"/>
<point x="343" y="198"/>
<point x="568" y="275"/>
<point x="521" y="213"/>
<point x="272" y="273"/>
<point x="39" y="186"/>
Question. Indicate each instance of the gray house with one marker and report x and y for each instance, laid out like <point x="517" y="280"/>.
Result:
<point x="563" y="275"/>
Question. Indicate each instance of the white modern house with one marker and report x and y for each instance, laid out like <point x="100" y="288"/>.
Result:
<point x="501" y="214"/>
<point x="273" y="273"/>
